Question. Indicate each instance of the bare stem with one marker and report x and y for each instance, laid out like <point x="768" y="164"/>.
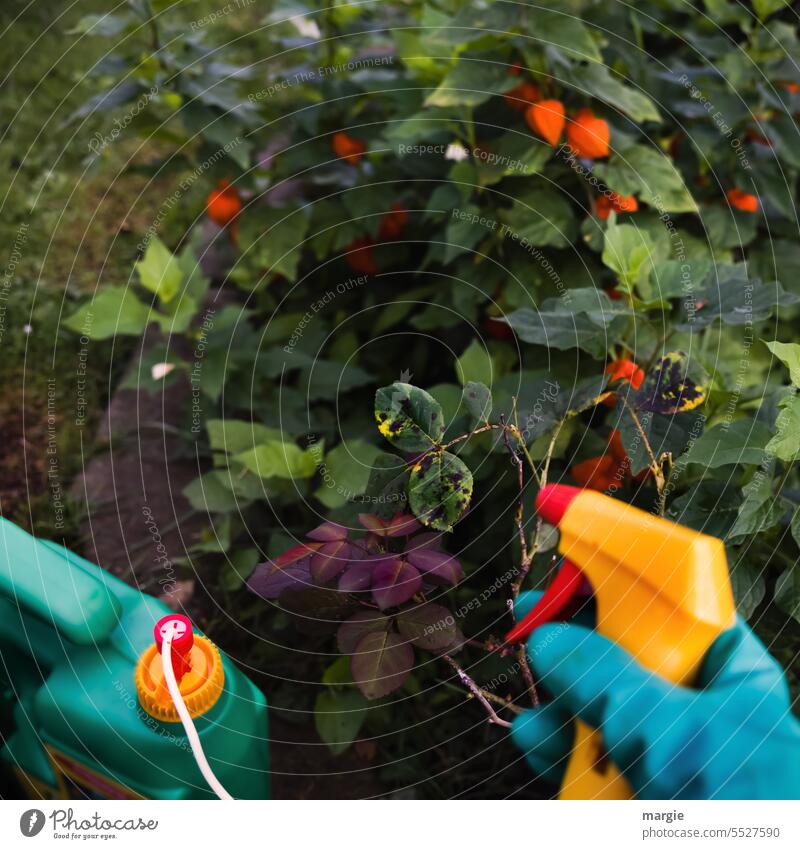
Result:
<point x="478" y="693"/>
<point x="521" y="505"/>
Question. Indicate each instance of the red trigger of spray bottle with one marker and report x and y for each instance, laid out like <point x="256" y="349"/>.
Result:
<point x="568" y="585"/>
<point x="182" y="641"/>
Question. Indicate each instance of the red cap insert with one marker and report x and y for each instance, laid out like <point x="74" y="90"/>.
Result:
<point x="182" y="640"/>
<point x="553" y="500"/>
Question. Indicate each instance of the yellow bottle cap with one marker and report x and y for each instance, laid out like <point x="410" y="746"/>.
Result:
<point x="200" y="685"/>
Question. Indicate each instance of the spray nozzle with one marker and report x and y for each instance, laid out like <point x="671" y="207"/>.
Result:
<point x="182" y="641"/>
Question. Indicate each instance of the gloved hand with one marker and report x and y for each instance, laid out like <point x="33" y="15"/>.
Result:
<point x="731" y="738"/>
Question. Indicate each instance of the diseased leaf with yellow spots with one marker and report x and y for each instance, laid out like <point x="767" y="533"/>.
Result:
<point x="439" y="490"/>
<point x="409" y="417"/>
<point x="673" y="385"/>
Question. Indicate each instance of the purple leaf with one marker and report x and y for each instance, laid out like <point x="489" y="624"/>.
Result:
<point x="316" y="610"/>
<point x="401" y="525"/>
<point x="430" y="626"/>
<point x="431" y="539"/>
<point x="371" y="522"/>
<point x="381" y="663"/>
<point x="357" y="551"/>
<point x="269" y="580"/>
<point x="297" y="552"/>
<point x="438" y="566"/>
<point x="357" y="578"/>
<point x="354" y="628"/>
<point x="393" y="582"/>
<point x="330" y="560"/>
<point x="328" y="532"/>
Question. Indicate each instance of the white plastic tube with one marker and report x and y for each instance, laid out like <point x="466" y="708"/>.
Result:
<point x="183" y="713"/>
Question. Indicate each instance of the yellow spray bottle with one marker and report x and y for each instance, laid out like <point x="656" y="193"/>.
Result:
<point x="662" y="593"/>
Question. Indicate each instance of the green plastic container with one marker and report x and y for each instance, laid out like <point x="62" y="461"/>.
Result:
<point x="70" y="637"/>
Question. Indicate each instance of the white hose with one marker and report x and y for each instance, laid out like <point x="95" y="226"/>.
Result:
<point x="183" y="713"/>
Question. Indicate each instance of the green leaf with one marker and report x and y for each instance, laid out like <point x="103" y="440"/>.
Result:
<point x="795" y="526"/>
<point x="430" y="626"/>
<point x="106" y="24"/>
<point x="735" y="298"/>
<point x="475" y="364"/>
<point x="785" y="445"/>
<point x="409" y="417"/>
<point x="381" y="662"/>
<point x="464" y="231"/>
<point x="765" y="8"/>
<point x="760" y="510"/>
<point x="471" y="23"/>
<point x="512" y="155"/>
<point x="338" y="717"/>
<point x="330" y="379"/>
<point x="239" y="568"/>
<point x="234" y="436"/>
<point x="439" y="490"/>
<point x="787" y="592"/>
<point x="789" y="354"/>
<point x="627" y="251"/>
<point x="540" y="218"/>
<point x="159" y="270"/>
<point x="674" y="278"/>
<point x="749" y="587"/>
<point x="274" y="239"/>
<point x="650" y="174"/>
<point x="386" y="492"/>
<point x="710" y="507"/>
<point x="581" y="318"/>
<point x="346" y="472"/>
<point x="728" y="228"/>
<point x="208" y="494"/>
<point x="469" y="83"/>
<point x="478" y="400"/>
<point x="115" y="311"/>
<point x="743" y="441"/>
<point x="176" y="314"/>
<point x="281" y="460"/>
<point x="602" y="83"/>
<point x="565" y="31"/>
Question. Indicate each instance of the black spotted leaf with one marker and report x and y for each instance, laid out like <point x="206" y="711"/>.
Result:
<point x="439" y="490"/>
<point x="673" y="384"/>
<point x="409" y="417"/>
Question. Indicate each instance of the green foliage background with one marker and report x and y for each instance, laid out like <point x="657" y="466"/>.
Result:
<point x="700" y="99"/>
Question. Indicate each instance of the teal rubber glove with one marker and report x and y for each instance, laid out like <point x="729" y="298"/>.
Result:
<point x="731" y="738"/>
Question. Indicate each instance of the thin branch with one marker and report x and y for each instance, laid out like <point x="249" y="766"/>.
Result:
<point x="522" y="659"/>
<point x="521" y="504"/>
<point x="478" y="693"/>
